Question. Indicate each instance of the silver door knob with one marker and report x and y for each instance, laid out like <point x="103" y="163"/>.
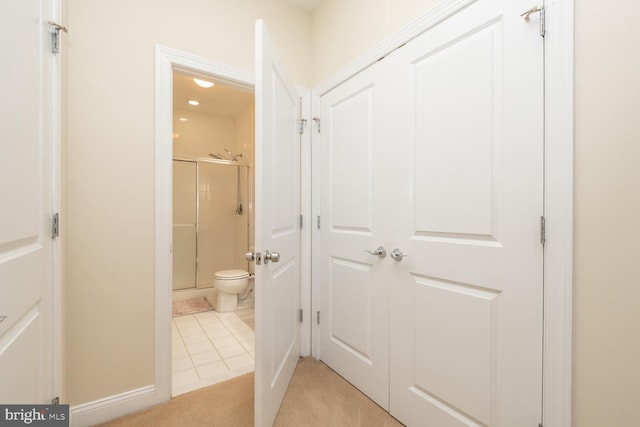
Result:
<point x="397" y="254"/>
<point x="271" y="256"/>
<point x="380" y="251"/>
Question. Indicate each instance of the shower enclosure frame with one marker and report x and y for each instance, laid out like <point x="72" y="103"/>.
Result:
<point x="238" y="164"/>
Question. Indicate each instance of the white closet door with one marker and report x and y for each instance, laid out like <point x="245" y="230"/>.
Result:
<point x="26" y="276"/>
<point x="466" y="305"/>
<point x="437" y="151"/>
<point x="354" y="324"/>
<point x="277" y="211"/>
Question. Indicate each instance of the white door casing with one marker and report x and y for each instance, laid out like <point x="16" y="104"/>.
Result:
<point x="26" y="191"/>
<point x="277" y="209"/>
<point x="447" y="166"/>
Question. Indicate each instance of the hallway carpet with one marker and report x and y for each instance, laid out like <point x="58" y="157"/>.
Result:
<point x="317" y="396"/>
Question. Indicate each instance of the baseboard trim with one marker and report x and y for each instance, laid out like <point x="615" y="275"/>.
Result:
<point x="108" y="408"/>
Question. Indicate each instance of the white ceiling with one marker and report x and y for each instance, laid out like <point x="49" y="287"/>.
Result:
<point x="219" y="100"/>
<point x="308" y="5"/>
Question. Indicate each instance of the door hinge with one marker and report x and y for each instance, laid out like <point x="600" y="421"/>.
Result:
<point x="543" y="230"/>
<point x="301" y="124"/>
<point x="317" y="120"/>
<point x="301" y="315"/>
<point x="55" y="400"/>
<point x="543" y="26"/>
<point x="301" y="221"/>
<point x="536" y="9"/>
<point x="318" y="222"/>
<point x="55" y="36"/>
<point x="317" y="317"/>
<point x="55" y="225"/>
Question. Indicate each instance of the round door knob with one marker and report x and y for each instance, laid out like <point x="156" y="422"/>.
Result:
<point x="275" y="256"/>
<point x="271" y="256"/>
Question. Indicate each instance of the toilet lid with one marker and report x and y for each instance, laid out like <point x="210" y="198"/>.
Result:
<point x="231" y="274"/>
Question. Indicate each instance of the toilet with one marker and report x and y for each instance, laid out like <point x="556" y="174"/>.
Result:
<point x="231" y="285"/>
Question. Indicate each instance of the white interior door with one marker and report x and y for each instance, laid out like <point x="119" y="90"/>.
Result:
<point x="466" y="309"/>
<point x="354" y="301"/>
<point x="277" y="284"/>
<point x="25" y="212"/>
<point x="437" y="151"/>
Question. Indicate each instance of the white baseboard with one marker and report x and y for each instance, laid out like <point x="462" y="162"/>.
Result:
<point x="109" y="408"/>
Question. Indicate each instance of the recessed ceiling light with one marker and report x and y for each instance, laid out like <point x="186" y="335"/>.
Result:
<point x="193" y="102"/>
<point x="183" y="119"/>
<point x="203" y="83"/>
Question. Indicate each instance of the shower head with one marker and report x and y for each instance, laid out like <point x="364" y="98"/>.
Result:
<point x="217" y="156"/>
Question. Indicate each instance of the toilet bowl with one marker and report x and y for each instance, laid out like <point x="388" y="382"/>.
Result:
<point x="230" y="284"/>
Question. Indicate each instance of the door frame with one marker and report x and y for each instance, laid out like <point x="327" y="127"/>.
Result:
<point x="558" y="193"/>
<point x="169" y="60"/>
<point x="57" y="246"/>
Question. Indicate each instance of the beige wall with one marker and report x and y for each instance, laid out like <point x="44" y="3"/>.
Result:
<point x="607" y="215"/>
<point x="109" y="269"/>
<point x="109" y="175"/>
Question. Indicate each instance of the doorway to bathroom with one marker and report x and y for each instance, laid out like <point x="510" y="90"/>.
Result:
<point x="213" y="223"/>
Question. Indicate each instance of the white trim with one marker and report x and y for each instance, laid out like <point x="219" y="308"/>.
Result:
<point x="102" y="410"/>
<point x="316" y="140"/>
<point x="164" y="212"/>
<point x="305" y="210"/>
<point x="168" y="60"/>
<point x="558" y="275"/>
<point x="56" y="250"/>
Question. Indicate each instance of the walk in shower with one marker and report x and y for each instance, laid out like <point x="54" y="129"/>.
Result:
<point x="212" y="224"/>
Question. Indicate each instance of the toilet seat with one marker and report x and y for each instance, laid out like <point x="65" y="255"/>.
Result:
<point x="231" y="274"/>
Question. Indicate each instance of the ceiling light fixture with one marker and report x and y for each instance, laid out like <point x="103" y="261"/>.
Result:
<point x="183" y="119"/>
<point x="193" y="102"/>
<point x="203" y="83"/>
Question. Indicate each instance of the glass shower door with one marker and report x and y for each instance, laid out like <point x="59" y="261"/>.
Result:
<point x="185" y="224"/>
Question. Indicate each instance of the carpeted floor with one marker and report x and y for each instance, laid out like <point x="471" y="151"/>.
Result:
<point x="317" y="396"/>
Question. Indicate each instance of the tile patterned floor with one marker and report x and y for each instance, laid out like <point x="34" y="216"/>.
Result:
<point x="211" y="347"/>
